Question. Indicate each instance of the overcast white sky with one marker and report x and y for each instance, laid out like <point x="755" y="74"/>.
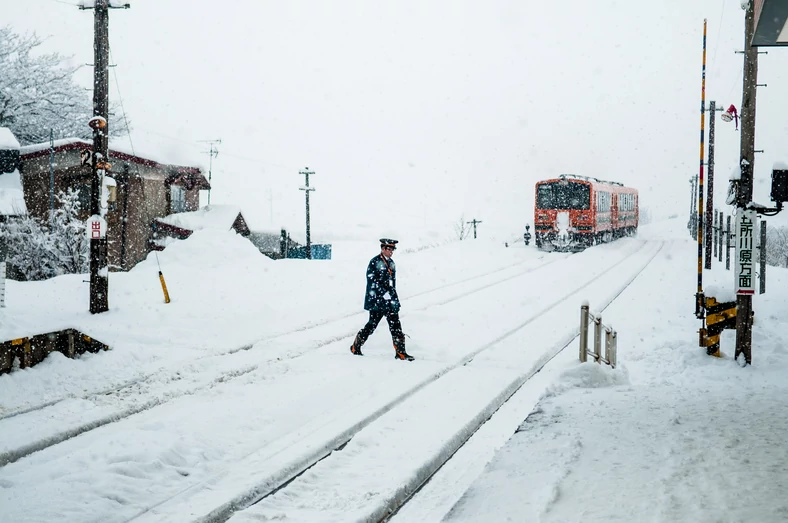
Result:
<point x="412" y="112"/>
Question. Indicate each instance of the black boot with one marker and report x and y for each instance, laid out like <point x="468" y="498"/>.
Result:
<point x="399" y="350"/>
<point x="355" y="347"/>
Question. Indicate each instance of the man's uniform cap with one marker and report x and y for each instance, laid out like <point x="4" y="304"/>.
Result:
<point x="388" y="242"/>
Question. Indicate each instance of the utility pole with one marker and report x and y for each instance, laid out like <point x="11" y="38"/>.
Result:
<point x="213" y="152"/>
<point x="747" y="162"/>
<point x="99" y="281"/>
<point x="51" y="179"/>
<point x="306" y="172"/>
<point x="474" y="222"/>
<point x="710" y="191"/>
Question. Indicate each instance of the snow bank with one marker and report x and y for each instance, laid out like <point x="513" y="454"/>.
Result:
<point x="589" y="375"/>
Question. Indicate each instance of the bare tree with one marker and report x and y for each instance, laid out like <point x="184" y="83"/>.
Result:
<point x="461" y="228"/>
<point x="777" y="246"/>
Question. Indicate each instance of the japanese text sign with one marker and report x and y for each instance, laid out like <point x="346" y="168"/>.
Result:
<point x="746" y="253"/>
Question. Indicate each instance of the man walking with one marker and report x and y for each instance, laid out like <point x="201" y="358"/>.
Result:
<point x="381" y="300"/>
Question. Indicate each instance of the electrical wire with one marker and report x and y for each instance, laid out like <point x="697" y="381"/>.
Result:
<point x="719" y="30"/>
<point x="122" y="108"/>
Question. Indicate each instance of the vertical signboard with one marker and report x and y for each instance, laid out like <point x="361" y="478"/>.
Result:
<point x="2" y="284"/>
<point x="97" y="228"/>
<point x="746" y="253"/>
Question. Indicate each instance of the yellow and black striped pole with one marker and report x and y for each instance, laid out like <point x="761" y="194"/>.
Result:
<point x="699" y="305"/>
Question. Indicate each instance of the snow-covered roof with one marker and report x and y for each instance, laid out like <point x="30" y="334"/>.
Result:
<point x="12" y="199"/>
<point x="7" y="139"/>
<point x="165" y="152"/>
<point x="36" y="147"/>
<point x="209" y="217"/>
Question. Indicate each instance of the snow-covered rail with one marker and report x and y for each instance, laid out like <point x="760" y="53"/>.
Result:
<point x="55" y="421"/>
<point x="274" y="481"/>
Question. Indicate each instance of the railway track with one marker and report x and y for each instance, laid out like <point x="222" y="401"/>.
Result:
<point x="54" y="421"/>
<point x="311" y="467"/>
<point x="271" y="459"/>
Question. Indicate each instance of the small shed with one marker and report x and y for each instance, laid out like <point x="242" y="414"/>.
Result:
<point x="147" y="187"/>
<point x="181" y="225"/>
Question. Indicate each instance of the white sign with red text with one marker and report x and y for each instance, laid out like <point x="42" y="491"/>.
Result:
<point x="97" y="228"/>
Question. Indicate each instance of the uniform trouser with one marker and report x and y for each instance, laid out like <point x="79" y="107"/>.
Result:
<point x="394" y="326"/>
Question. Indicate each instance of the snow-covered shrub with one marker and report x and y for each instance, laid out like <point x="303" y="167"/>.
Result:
<point x="42" y="250"/>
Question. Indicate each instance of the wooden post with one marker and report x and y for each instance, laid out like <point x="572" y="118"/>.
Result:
<point x="747" y="162"/>
<point x="710" y="190"/>
<point x="762" y="254"/>
<point x="728" y="244"/>
<point x="307" y="190"/>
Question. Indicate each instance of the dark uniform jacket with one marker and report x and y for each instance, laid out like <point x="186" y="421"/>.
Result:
<point x="381" y="285"/>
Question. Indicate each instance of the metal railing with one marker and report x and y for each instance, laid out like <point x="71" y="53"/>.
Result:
<point x="611" y="338"/>
<point x="2" y="284"/>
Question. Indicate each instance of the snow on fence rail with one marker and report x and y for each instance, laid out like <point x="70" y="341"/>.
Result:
<point x="611" y="338"/>
<point x="2" y="284"/>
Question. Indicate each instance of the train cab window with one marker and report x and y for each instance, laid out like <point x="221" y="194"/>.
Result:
<point x="565" y="195"/>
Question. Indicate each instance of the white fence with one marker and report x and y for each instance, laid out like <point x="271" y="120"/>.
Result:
<point x="611" y="338"/>
<point x="2" y="284"/>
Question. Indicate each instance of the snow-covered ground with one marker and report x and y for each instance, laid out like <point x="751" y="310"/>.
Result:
<point x="671" y="435"/>
<point x="216" y="396"/>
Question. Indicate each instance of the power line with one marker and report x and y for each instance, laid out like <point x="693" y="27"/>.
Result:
<point x="122" y="108"/>
<point x="719" y="29"/>
<point x="256" y="161"/>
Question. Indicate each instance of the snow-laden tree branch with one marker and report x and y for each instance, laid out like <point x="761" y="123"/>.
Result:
<point x="38" y="93"/>
<point x="42" y="250"/>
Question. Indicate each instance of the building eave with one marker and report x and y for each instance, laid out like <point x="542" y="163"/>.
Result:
<point x="37" y="151"/>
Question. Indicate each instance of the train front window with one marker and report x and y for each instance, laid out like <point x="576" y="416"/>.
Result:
<point x="563" y="195"/>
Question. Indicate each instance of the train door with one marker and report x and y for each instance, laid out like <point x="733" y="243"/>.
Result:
<point x="614" y="214"/>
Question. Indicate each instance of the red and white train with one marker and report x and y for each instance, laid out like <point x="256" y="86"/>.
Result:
<point x="573" y="212"/>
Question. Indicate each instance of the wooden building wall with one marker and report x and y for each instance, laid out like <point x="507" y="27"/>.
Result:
<point x="141" y="194"/>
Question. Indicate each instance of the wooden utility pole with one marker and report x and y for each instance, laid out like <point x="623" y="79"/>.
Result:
<point x="213" y="152"/>
<point x="474" y="222"/>
<point x="51" y="180"/>
<point x="747" y="162"/>
<point x="710" y="186"/>
<point x="99" y="281"/>
<point x="306" y="172"/>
